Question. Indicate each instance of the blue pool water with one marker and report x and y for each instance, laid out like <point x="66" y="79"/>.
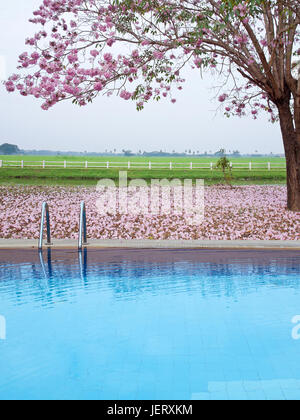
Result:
<point x="149" y="325"/>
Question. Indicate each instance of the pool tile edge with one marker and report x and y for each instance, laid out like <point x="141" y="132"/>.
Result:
<point x="154" y="244"/>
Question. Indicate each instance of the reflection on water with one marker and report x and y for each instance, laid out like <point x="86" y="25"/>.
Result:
<point x="139" y="325"/>
<point x="82" y="258"/>
<point x="129" y="279"/>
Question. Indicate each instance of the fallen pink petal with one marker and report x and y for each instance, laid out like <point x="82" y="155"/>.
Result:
<point x="241" y="212"/>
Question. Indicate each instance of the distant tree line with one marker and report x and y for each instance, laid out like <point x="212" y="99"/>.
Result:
<point x="11" y="149"/>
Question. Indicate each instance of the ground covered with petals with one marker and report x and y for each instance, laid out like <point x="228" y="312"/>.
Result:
<point x="241" y="212"/>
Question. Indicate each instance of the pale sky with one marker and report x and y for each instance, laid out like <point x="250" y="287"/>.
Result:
<point x="112" y="123"/>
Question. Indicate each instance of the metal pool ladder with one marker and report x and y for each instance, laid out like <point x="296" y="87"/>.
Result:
<point x="82" y="227"/>
<point x="45" y="216"/>
<point x="82" y="240"/>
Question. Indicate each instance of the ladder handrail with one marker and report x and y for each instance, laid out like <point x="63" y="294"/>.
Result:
<point x="82" y="240"/>
<point x="45" y="212"/>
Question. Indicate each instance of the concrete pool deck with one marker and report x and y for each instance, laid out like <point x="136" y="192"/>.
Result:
<point x="153" y="244"/>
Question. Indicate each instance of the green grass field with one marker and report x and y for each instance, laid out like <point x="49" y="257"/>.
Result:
<point x="80" y="176"/>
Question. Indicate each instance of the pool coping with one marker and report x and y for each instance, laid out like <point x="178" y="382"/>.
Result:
<point x="154" y="244"/>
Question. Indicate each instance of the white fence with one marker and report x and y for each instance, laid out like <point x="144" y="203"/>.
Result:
<point x="251" y="166"/>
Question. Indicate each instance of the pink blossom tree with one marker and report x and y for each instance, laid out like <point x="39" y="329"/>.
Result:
<point x="137" y="49"/>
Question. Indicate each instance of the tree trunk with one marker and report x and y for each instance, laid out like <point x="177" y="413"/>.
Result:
<point x="292" y="152"/>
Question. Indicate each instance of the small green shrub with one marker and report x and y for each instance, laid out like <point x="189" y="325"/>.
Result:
<point x="224" y="164"/>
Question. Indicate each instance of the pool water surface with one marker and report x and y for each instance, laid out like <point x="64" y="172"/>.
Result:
<point x="150" y="325"/>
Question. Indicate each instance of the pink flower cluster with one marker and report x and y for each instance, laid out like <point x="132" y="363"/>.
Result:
<point x="246" y="212"/>
<point x="138" y="49"/>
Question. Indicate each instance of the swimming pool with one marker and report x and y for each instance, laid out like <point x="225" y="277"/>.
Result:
<point x="116" y="324"/>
